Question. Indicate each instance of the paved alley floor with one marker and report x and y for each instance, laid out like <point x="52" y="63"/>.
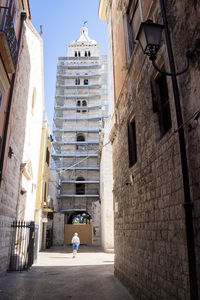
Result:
<point x="58" y="276"/>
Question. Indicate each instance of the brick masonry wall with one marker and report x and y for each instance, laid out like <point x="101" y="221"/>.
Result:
<point x="150" y="235"/>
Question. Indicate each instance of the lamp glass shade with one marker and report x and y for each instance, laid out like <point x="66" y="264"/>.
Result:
<point x="149" y="36"/>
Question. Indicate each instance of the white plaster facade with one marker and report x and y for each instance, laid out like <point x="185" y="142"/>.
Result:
<point x="33" y="121"/>
<point x="106" y="187"/>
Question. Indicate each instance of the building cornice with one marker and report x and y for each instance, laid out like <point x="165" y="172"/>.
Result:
<point x="103" y="9"/>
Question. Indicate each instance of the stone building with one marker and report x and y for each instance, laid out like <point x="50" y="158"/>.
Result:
<point x="44" y="204"/>
<point x="80" y="106"/>
<point x="154" y="253"/>
<point x="23" y="102"/>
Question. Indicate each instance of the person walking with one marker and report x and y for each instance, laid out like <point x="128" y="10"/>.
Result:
<point x="75" y="244"/>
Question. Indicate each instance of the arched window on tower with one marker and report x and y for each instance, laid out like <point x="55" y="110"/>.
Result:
<point x="80" y="137"/>
<point x="88" y="53"/>
<point x="79" y="53"/>
<point x="85" y="53"/>
<point x="78" y="103"/>
<point x="77" y="81"/>
<point x="80" y="187"/>
<point x="84" y="103"/>
<point x="75" y="53"/>
<point x="86" y="81"/>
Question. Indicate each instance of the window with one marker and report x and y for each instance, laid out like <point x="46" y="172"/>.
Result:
<point x="80" y="147"/>
<point x="47" y="156"/>
<point x="45" y="192"/>
<point x="0" y="145"/>
<point x="12" y="9"/>
<point x="85" y="53"/>
<point x="80" y="187"/>
<point x="84" y="103"/>
<point x="78" y="111"/>
<point x="132" y="143"/>
<point x="80" y="138"/>
<point x="86" y="81"/>
<point x="88" y="53"/>
<point x="77" y="81"/>
<point x="78" y="103"/>
<point x="160" y="102"/>
<point x="131" y="25"/>
<point x="79" y="53"/>
<point x="84" y="111"/>
<point x="1" y="97"/>
<point x="75" y="53"/>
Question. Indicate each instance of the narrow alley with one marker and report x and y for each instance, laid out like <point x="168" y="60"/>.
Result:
<point x="58" y="276"/>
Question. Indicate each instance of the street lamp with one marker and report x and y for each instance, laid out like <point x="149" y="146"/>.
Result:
<point x="150" y="36"/>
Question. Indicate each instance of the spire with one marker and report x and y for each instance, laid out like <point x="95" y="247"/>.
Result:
<point x="84" y="38"/>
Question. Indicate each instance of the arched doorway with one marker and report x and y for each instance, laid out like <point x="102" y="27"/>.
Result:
<point x="80" y="222"/>
<point x="81" y="217"/>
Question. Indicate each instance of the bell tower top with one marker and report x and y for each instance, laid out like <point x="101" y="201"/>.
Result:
<point x="82" y="44"/>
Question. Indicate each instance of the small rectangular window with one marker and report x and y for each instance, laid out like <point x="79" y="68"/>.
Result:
<point x="161" y="106"/>
<point x="77" y="81"/>
<point x="12" y="9"/>
<point x="1" y="97"/>
<point x="131" y="22"/>
<point x="45" y="192"/>
<point x="132" y="147"/>
<point x="86" y="81"/>
<point x="47" y="156"/>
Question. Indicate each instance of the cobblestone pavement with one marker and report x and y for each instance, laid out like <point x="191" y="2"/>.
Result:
<point x="58" y="276"/>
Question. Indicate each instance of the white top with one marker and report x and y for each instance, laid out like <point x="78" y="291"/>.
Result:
<point x="75" y="239"/>
<point x="84" y="38"/>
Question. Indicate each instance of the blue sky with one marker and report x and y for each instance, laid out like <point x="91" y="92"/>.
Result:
<point x="61" y="22"/>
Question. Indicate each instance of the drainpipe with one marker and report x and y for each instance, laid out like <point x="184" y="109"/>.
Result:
<point x="188" y="205"/>
<point x="23" y="18"/>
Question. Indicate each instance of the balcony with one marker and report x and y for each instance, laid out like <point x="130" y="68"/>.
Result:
<point x="74" y="76"/>
<point x="75" y="142"/>
<point x="87" y="129"/>
<point x="77" y="196"/>
<point x="65" y="107"/>
<point x="8" y="41"/>
<point x="78" y="168"/>
<point x="77" y="96"/>
<point x="78" y="86"/>
<point x="75" y="181"/>
<point x="77" y="117"/>
<point x="59" y="155"/>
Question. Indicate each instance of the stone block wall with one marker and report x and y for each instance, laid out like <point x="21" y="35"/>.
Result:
<point x="58" y="229"/>
<point x="150" y="231"/>
<point x="20" y="139"/>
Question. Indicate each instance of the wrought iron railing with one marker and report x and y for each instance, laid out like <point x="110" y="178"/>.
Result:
<point x="7" y="26"/>
<point x="24" y="245"/>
